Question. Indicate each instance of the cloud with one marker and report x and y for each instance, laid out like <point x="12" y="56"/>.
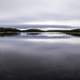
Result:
<point x="30" y="10"/>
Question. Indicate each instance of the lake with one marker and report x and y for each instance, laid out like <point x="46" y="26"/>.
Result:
<point x="40" y="56"/>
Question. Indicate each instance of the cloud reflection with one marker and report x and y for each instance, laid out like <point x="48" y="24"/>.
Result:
<point x="25" y="58"/>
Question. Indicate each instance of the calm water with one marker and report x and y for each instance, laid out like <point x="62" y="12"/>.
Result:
<point x="40" y="56"/>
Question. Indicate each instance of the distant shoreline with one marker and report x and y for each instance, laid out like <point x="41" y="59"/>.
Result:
<point x="14" y="31"/>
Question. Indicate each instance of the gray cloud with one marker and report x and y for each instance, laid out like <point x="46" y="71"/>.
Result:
<point x="29" y="10"/>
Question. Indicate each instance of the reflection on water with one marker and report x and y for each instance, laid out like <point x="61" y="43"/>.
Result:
<point x="36" y="35"/>
<point x="44" y="35"/>
<point x="40" y="57"/>
<point x="3" y="34"/>
<point x="33" y="33"/>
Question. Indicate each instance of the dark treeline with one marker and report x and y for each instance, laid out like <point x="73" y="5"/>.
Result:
<point x="74" y="32"/>
<point x="9" y="30"/>
<point x="14" y="31"/>
<point x="33" y="30"/>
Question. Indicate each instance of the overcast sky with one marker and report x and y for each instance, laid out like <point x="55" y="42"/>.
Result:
<point x="20" y="11"/>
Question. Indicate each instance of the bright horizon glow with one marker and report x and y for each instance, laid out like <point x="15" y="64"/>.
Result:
<point x="45" y="29"/>
<point x="64" y="22"/>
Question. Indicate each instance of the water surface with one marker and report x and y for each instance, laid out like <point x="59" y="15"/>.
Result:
<point x="40" y="56"/>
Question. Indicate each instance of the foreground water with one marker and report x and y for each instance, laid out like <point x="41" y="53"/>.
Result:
<point x="44" y="56"/>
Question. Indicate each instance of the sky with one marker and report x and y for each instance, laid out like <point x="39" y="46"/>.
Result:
<point x="40" y="11"/>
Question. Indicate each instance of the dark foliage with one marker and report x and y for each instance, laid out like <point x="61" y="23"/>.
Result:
<point x="9" y="30"/>
<point x="33" y="30"/>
